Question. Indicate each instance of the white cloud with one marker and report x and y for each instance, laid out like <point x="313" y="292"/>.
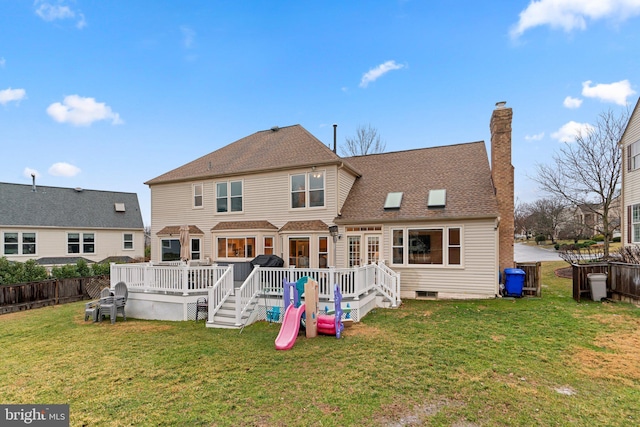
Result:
<point x="572" y="103"/>
<point x="536" y="137"/>
<point x="81" y="111"/>
<point x="8" y="95"/>
<point x="617" y="92"/>
<point x="569" y="131"/>
<point x="3" y="62"/>
<point x="379" y="71"/>
<point x="27" y="172"/>
<point x="63" y="169"/>
<point x="573" y="14"/>
<point x="52" y="12"/>
<point x="188" y="36"/>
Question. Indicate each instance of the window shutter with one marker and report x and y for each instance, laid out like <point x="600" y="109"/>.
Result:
<point x="629" y="228"/>
<point x="628" y="157"/>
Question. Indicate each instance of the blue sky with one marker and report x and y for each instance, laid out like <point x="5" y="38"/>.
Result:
<point x="108" y="95"/>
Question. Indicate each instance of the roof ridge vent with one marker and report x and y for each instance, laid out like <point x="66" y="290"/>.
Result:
<point x="78" y="189"/>
<point x="275" y="128"/>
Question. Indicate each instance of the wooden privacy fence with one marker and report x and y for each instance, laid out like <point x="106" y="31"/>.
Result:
<point x="623" y="280"/>
<point x="25" y="296"/>
<point x="532" y="278"/>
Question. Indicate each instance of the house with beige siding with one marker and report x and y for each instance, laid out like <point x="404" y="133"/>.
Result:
<point x="57" y="225"/>
<point x="440" y="216"/>
<point x="630" y="194"/>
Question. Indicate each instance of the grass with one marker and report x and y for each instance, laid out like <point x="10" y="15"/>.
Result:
<point x="538" y="361"/>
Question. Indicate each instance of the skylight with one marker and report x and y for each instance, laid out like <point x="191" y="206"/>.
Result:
<point x="119" y="207"/>
<point x="393" y="200"/>
<point x="437" y="198"/>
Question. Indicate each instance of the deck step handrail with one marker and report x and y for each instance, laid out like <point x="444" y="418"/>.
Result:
<point x="220" y="291"/>
<point x="388" y="283"/>
<point x="246" y="295"/>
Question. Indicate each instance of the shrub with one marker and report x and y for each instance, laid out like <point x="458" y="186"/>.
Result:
<point x="598" y="238"/>
<point x="65" y="271"/>
<point x="616" y="239"/>
<point x="12" y="272"/>
<point x="101" y="269"/>
<point x="83" y="268"/>
<point x="587" y="243"/>
<point x="541" y="238"/>
<point x="556" y="246"/>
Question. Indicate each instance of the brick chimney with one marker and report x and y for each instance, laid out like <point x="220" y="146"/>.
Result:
<point x="502" y="177"/>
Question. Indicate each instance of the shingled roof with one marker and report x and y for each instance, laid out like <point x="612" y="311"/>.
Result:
<point x="462" y="170"/>
<point x="273" y="149"/>
<point x="67" y="207"/>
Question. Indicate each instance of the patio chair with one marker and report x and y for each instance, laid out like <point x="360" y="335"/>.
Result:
<point x="107" y="305"/>
<point x="91" y="309"/>
<point x="121" y="295"/>
<point x="202" y="305"/>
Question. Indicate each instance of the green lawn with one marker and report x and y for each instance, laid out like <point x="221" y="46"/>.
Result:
<point x="546" y="361"/>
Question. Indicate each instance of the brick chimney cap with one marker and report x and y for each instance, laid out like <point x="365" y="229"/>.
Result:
<point x="500" y="105"/>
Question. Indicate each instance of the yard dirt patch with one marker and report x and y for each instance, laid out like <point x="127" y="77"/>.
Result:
<point x="565" y="272"/>
<point x="618" y="355"/>
<point x="360" y="329"/>
<point x="396" y="415"/>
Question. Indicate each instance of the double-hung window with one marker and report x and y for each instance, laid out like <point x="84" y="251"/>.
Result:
<point x="635" y="223"/>
<point x="15" y="243"/>
<point x="127" y="241"/>
<point x="229" y="196"/>
<point x="268" y="245"/>
<point x="197" y="196"/>
<point x="307" y="190"/>
<point x="81" y="243"/>
<point x="633" y="156"/>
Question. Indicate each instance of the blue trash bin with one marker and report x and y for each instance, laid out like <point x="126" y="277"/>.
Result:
<point x="514" y="282"/>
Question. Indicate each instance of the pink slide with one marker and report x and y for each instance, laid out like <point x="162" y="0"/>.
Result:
<point x="290" y="327"/>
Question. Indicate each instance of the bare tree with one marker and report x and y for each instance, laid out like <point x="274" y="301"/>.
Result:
<point x="523" y="220"/>
<point x="366" y="141"/>
<point x="546" y="216"/>
<point x="587" y="172"/>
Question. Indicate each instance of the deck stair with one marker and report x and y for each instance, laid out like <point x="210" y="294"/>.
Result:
<point x="225" y="317"/>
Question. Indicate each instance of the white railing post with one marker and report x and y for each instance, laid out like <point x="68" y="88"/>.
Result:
<point x="145" y="277"/>
<point x="185" y="279"/>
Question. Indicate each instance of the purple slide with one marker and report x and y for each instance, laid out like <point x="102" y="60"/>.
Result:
<point x="290" y="327"/>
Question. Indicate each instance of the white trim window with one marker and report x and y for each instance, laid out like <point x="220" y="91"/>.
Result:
<point x="198" y="196"/>
<point x="323" y="252"/>
<point x="170" y="250"/>
<point x="268" y="245"/>
<point x="127" y="241"/>
<point x="195" y="249"/>
<point x="229" y="196"/>
<point x="19" y="243"/>
<point x="78" y="243"/>
<point x="633" y="156"/>
<point x="427" y="246"/>
<point x="307" y="190"/>
<point x="635" y="223"/>
<point x="397" y="246"/>
<point x="236" y="247"/>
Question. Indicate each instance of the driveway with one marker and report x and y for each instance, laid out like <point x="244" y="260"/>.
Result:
<point x="524" y="253"/>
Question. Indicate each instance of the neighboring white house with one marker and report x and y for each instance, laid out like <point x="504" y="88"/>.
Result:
<point x="56" y="225"/>
<point x="440" y="216"/>
<point x="630" y="146"/>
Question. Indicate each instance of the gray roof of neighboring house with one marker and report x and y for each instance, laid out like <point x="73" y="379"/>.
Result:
<point x="67" y="207"/>
<point x="273" y="149"/>
<point x="462" y="170"/>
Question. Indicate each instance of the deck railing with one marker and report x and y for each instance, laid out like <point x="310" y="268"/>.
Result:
<point x="218" y="282"/>
<point x="182" y="278"/>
